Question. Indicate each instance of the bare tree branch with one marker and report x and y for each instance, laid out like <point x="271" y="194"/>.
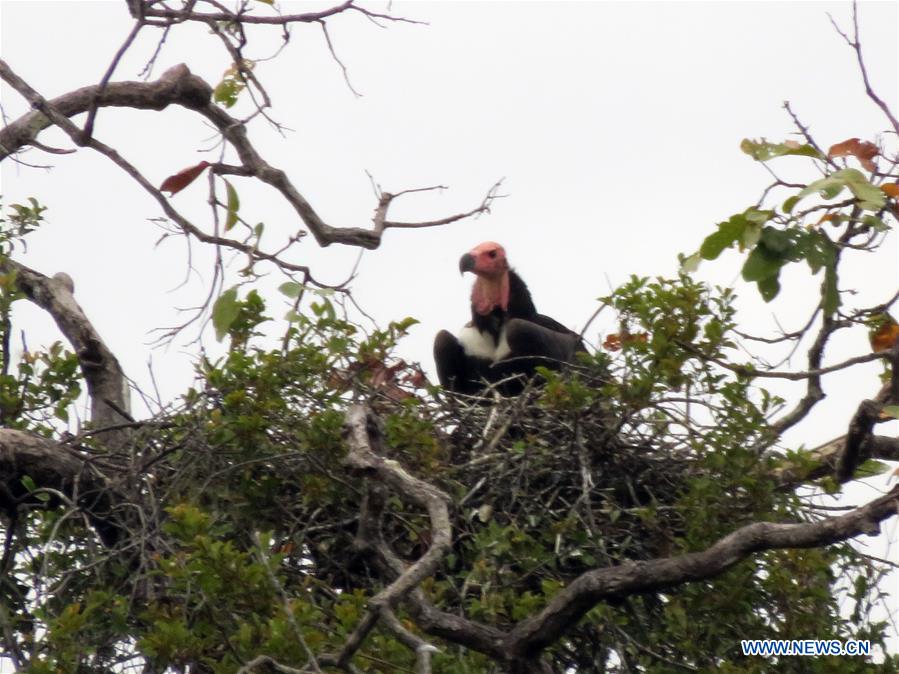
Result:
<point x="106" y="383"/>
<point x="826" y="458"/>
<point x="856" y="45"/>
<point x="177" y="85"/>
<point x="533" y="634"/>
<point x="364" y="439"/>
<point x="814" y="393"/>
<point x="92" y="113"/>
<point x="153" y="10"/>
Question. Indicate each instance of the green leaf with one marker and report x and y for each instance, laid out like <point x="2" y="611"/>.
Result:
<point x="258" y="229"/>
<point x="819" y="252"/>
<point x="790" y="203"/>
<point x="224" y="312"/>
<point x="762" y="150"/>
<point x="29" y="484"/>
<point x="889" y="410"/>
<point x="404" y="324"/>
<point x="761" y="264"/>
<point x="869" y="196"/>
<point x="778" y="241"/>
<point x="743" y="228"/>
<point x="291" y="289"/>
<point x="757" y="217"/>
<point x="226" y="92"/>
<point x="875" y="223"/>
<point x="871" y="467"/>
<point x="830" y="485"/>
<point x="828" y="187"/>
<point x="690" y="264"/>
<point x="751" y="236"/>
<point x="233" y="206"/>
<point x="769" y="287"/>
<point x="728" y="233"/>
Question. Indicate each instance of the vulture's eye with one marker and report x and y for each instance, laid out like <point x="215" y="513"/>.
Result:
<point x="491" y="254"/>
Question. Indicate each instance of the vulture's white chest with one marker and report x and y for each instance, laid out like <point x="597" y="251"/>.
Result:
<point x="479" y="344"/>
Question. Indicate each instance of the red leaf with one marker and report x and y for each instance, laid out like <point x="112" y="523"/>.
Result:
<point x="176" y="183"/>
<point x="860" y="149"/>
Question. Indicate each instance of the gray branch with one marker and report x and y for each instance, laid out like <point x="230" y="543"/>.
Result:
<point x="106" y="383"/>
<point x="177" y="85"/>
<point x="364" y="439"/>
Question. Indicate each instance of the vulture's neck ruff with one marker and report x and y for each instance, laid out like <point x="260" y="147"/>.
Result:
<point x="489" y="293"/>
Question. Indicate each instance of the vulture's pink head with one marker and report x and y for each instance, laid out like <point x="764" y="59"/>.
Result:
<point x="488" y="262"/>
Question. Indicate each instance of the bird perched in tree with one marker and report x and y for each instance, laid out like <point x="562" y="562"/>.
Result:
<point x="506" y="337"/>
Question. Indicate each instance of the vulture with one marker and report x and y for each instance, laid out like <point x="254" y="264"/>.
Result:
<point x="506" y="338"/>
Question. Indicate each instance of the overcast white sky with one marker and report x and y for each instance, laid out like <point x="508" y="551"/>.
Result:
<point x="615" y="125"/>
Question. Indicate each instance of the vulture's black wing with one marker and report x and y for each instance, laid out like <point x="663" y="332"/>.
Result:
<point x="552" y="324"/>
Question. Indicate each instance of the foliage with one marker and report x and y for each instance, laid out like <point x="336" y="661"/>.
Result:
<point x="257" y="447"/>
<point x="781" y="235"/>
<point x="238" y="523"/>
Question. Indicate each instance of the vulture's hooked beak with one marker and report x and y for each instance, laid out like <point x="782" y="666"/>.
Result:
<point x="466" y="263"/>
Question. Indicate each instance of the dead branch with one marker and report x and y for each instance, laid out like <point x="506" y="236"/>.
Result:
<point x="106" y="384"/>
<point x="364" y="439"/>
<point x="142" y="9"/>
<point x="855" y="43"/>
<point x="177" y="86"/>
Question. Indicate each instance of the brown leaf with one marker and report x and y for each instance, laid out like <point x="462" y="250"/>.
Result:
<point x="339" y="380"/>
<point x="417" y="378"/>
<point x="176" y="183"/>
<point x="395" y="393"/>
<point x="614" y="342"/>
<point x="381" y="377"/>
<point x="884" y="333"/>
<point x="385" y="376"/>
<point x="860" y="149"/>
<point x="891" y="190"/>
